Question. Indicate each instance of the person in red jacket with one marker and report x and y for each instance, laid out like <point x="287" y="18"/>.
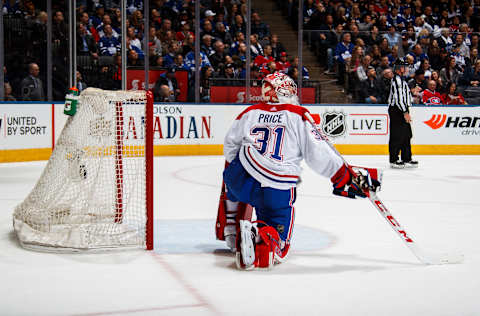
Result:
<point x="452" y="97"/>
<point x="283" y="64"/>
<point x="430" y="96"/>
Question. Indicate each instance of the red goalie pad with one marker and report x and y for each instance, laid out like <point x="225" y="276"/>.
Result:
<point x="244" y="212"/>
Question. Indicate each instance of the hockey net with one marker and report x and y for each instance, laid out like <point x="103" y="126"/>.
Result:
<point x="96" y="191"/>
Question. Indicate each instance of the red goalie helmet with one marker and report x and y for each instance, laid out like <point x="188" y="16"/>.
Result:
<point x="279" y="88"/>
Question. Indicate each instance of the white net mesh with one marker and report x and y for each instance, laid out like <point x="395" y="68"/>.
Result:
<point x="92" y="193"/>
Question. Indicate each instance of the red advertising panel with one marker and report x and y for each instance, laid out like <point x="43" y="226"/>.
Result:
<point x="222" y="94"/>
<point x="136" y="80"/>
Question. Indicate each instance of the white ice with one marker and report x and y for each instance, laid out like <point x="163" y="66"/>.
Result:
<point x="345" y="260"/>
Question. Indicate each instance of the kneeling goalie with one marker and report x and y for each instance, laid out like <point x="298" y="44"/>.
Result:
<point x="263" y="151"/>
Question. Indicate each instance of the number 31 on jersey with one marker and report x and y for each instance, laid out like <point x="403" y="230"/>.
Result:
<point x="269" y="138"/>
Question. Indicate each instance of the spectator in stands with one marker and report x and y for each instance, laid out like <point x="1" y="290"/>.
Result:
<point x="98" y="17"/>
<point x="59" y="30"/>
<point x="462" y="47"/>
<point x="277" y="47"/>
<point x="217" y="59"/>
<point x="8" y="92"/>
<point x="86" y="45"/>
<point x="109" y="45"/>
<point x="190" y="61"/>
<point x="31" y="86"/>
<point x="431" y="96"/>
<point x="154" y="58"/>
<point x="418" y="54"/>
<point x="166" y="82"/>
<point x="116" y="18"/>
<point x="155" y="41"/>
<point x="207" y="29"/>
<point x="450" y="73"/>
<point x="369" y="89"/>
<point x="259" y="27"/>
<point x="361" y="72"/>
<point x="173" y="50"/>
<point x="327" y="43"/>
<point x="471" y="76"/>
<point x="474" y="42"/>
<point x="107" y="21"/>
<point x="283" y="64"/>
<point x="384" y="85"/>
<point x="417" y="85"/>
<point x="136" y="20"/>
<point x="459" y="58"/>
<point x="445" y="40"/>
<point x="305" y="73"/>
<point x="205" y="75"/>
<point x="425" y="66"/>
<point x="367" y="24"/>
<point x="268" y="68"/>
<point x="261" y="60"/>
<point x="436" y="77"/>
<point x="134" y="41"/>
<point x="410" y="68"/>
<point x="179" y="64"/>
<point x="210" y="16"/>
<point x="229" y="72"/>
<point x="85" y="19"/>
<point x="81" y="85"/>
<point x="206" y="46"/>
<point x="222" y="34"/>
<point x="255" y="47"/>
<point x="392" y="37"/>
<point x="452" y="97"/>
<point x="473" y="56"/>
<point x="384" y="64"/>
<point x="133" y="58"/>
<point x="239" y="25"/>
<point x="343" y="54"/>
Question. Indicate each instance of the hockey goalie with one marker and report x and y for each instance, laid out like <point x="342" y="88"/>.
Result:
<point x="263" y="150"/>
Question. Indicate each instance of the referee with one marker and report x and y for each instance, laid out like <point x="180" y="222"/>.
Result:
<point x="399" y="102"/>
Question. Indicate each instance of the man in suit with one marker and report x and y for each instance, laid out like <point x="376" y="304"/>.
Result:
<point x="31" y="87"/>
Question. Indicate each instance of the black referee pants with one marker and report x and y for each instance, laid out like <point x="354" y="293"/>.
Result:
<point x="400" y="135"/>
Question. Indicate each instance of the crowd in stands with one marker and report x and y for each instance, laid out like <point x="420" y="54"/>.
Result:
<point x="360" y="40"/>
<point x="171" y="42"/>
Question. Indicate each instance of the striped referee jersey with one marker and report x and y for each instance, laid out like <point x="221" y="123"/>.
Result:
<point x="400" y="95"/>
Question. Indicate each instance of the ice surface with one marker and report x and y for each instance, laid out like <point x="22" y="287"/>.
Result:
<point x="345" y="260"/>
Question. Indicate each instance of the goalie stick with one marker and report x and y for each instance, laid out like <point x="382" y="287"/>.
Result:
<point x="423" y="256"/>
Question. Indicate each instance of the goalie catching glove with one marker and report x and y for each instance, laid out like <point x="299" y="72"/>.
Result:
<point x="352" y="182"/>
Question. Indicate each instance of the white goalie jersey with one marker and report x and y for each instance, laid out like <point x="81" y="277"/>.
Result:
<point x="272" y="139"/>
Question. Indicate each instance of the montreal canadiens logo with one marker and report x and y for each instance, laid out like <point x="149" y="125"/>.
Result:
<point x="334" y="124"/>
<point x="434" y="100"/>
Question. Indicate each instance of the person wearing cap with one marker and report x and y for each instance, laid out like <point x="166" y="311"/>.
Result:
<point x="399" y="102"/>
<point x="229" y="72"/>
<point x="210" y="17"/>
<point x="417" y="84"/>
<point x="166" y="82"/>
<point x="283" y="64"/>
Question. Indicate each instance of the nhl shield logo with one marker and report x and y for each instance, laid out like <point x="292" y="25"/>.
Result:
<point x="334" y="124"/>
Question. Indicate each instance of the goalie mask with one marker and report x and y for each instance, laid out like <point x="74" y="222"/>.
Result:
<point x="279" y="88"/>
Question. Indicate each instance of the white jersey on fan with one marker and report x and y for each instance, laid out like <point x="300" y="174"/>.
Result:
<point x="271" y="141"/>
